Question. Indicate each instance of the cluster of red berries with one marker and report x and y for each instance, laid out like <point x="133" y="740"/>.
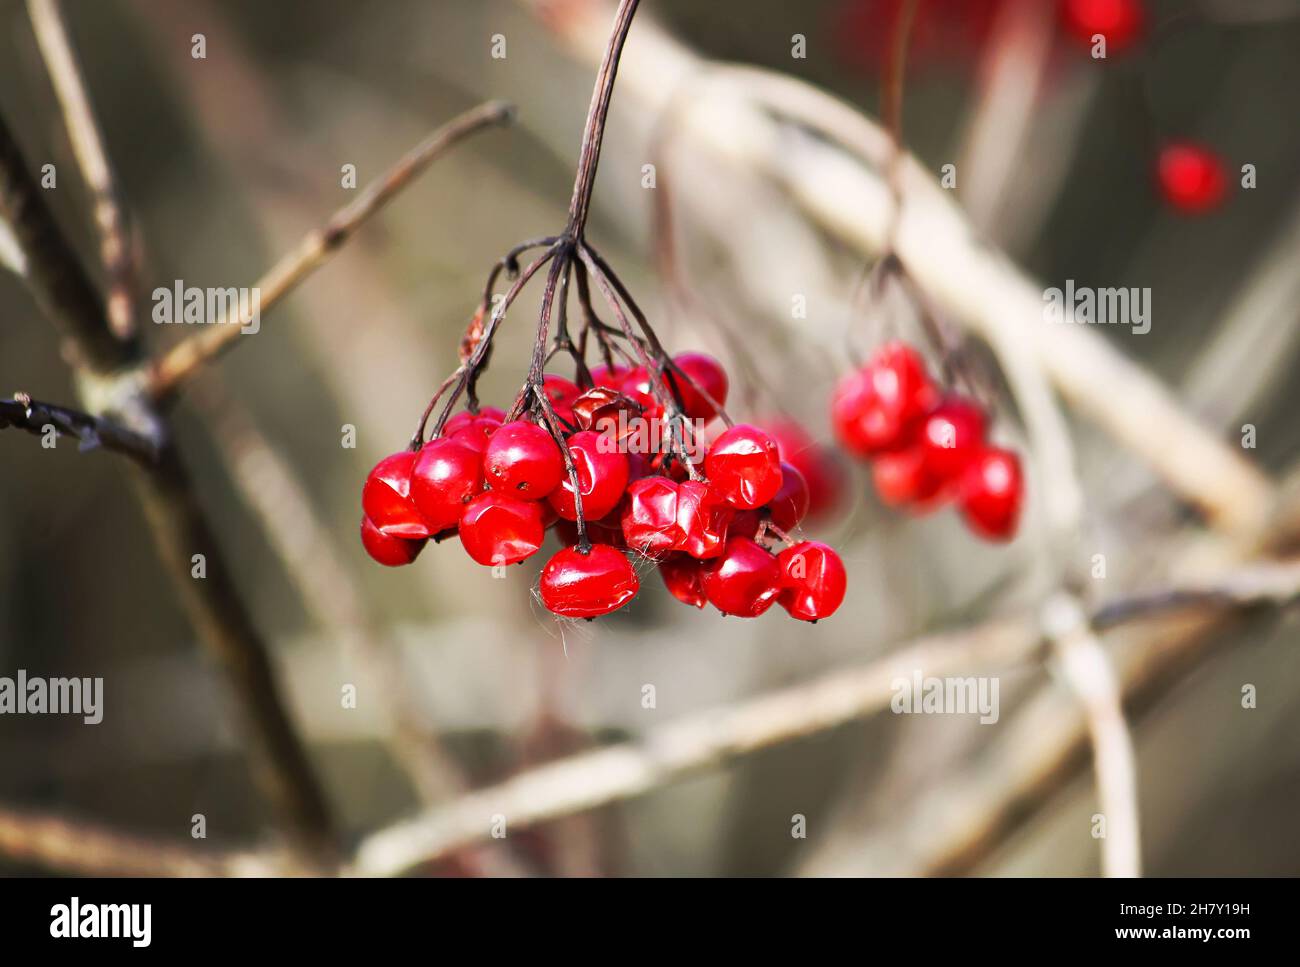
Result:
<point x="500" y="484"/>
<point x="927" y="447"/>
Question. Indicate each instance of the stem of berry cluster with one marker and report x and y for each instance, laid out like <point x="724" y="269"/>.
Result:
<point x="569" y="254"/>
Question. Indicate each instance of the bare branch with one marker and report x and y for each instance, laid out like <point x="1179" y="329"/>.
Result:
<point x="53" y="271"/>
<point x="25" y="413"/>
<point x="92" y="850"/>
<point x="115" y="249"/>
<point x="1087" y="669"/>
<point x="179" y="364"/>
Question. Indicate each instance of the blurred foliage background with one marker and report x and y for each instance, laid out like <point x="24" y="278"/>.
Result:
<point x="226" y="161"/>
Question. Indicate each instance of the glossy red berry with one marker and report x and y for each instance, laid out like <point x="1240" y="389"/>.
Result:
<point x="561" y="392"/>
<point x="388" y="551"/>
<point x="877" y="408"/>
<point x="1119" y="21"/>
<point x="744" y="581"/>
<point x="475" y="433"/>
<point x="903" y="479"/>
<point x="445" y="478"/>
<point x="635" y="385"/>
<point x="790" y="505"/>
<point x="386" y="497"/>
<point x="710" y="383"/>
<point x="822" y="472"/>
<point x="610" y="378"/>
<point x="522" y="460"/>
<point x="742" y="465"/>
<point x="991" y="492"/>
<point x="951" y="436"/>
<point x="602" y="477"/>
<point x="497" y="529"/>
<point x="814" y="580"/>
<point x="703" y="518"/>
<point x="684" y="578"/>
<point x="649" y="518"/>
<point x="577" y="585"/>
<point x="1192" y="178"/>
<point x="459" y="421"/>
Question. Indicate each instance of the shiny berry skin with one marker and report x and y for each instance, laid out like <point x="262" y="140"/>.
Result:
<point x="561" y="392"/>
<point x="877" y="408"/>
<point x="950" y="437"/>
<point x="790" y="505"/>
<point x="814" y="580"/>
<point x="458" y="421"/>
<point x="1192" y="178"/>
<point x="684" y="578"/>
<point x="522" y="460"/>
<point x="603" y="375"/>
<point x="745" y="581"/>
<point x="602" y="478"/>
<point x="742" y="465"/>
<point x="386" y="497"/>
<point x="903" y="479"/>
<point x="1119" y="21"/>
<point x="991" y="492"/>
<point x="703" y="518"/>
<point x="496" y="528"/>
<point x="445" y="478"/>
<point x="822" y="472"/>
<point x="710" y="378"/>
<point x="649" y="518"/>
<point x="635" y="385"/>
<point x="474" y="433"/>
<point x="388" y="551"/>
<point x="577" y="585"/>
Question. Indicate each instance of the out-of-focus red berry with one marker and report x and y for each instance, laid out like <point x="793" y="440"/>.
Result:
<point x="1119" y="21"/>
<point x="878" y="407"/>
<point x="992" y="489"/>
<point x="1192" y="178"/>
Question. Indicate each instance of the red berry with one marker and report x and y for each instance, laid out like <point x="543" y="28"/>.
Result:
<point x="458" y="421"/>
<point x="1119" y="21"/>
<point x="445" y="478"/>
<point x="475" y="433"/>
<point x="684" y="577"/>
<point x="744" y="581"/>
<point x="821" y="470"/>
<point x="602" y="477"/>
<point x="561" y="392"/>
<point x="635" y="385"/>
<point x="1192" y="178"/>
<point x="496" y="528"/>
<point x="388" y="551"/>
<point x="707" y="374"/>
<point x="743" y="466"/>
<point x="814" y="580"/>
<point x="703" y="518"/>
<point x="790" y="505"/>
<point x="649" y="518"/>
<point x="950" y="437"/>
<point x="991" y="492"/>
<point x="522" y="459"/>
<point x="577" y="585"/>
<point x="876" y="408"/>
<point x="605" y="376"/>
<point x="903" y="479"/>
<point x="386" y="497"/>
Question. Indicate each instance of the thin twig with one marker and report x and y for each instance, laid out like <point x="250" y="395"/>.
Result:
<point x="115" y="250"/>
<point x="67" y="846"/>
<point x="24" y="413"/>
<point x="1087" y="668"/>
<point x="179" y="363"/>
